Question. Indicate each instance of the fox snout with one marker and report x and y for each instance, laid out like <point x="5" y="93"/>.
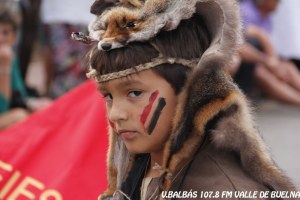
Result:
<point x="106" y="45"/>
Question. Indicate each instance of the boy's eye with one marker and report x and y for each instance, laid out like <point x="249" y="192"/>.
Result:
<point x="135" y="93"/>
<point x="108" y="97"/>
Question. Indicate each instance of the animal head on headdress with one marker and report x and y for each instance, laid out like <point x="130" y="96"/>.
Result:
<point x="114" y="20"/>
<point x="113" y="29"/>
<point x="119" y="25"/>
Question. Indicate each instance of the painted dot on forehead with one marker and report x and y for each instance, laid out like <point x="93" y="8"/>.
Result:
<point x="148" y="108"/>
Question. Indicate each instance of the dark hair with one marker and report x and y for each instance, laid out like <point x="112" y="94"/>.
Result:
<point x="9" y="16"/>
<point x="188" y="41"/>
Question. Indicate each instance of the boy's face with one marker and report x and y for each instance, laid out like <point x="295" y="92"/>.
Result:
<point x="140" y="109"/>
<point x="7" y="35"/>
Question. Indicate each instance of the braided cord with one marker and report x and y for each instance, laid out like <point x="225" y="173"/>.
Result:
<point x="93" y="74"/>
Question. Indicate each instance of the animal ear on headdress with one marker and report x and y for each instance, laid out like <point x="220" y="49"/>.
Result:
<point x="99" y="6"/>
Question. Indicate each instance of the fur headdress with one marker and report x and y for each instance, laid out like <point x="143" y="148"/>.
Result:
<point x="209" y="93"/>
<point x="119" y="25"/>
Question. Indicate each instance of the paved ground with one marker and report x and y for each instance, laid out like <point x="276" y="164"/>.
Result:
<point x="280" y="127"/>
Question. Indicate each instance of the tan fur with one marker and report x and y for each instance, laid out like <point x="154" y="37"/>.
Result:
<point x="253" y="152"/>
<point x="133" y="3"/>
<point x="152" y="7"/>
<point x="192" y="143"/>
<point x="116" y="24"/>
<point x="176" y="119"/>
<point x="180" y="158"/>
<point x="250" y="146"/>
<point x="111" y="169"/>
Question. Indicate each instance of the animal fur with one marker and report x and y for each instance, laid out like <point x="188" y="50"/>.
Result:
<point x="148" y="21"/>
<point x="206" y="98"/>
<point x="154" y="16"/>
<point x="99" y="6"/>
<point x="114" y="27"/>
<point x="81" y="37"/>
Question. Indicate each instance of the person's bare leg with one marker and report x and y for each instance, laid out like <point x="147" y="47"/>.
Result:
<point x="275" y="87"/>
<point x="12" y="116"/>
<point x="293" y="73"/>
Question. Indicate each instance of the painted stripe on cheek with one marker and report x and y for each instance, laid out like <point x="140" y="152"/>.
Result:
<point x="148" y="108"/>
<point x="157" y="112"/>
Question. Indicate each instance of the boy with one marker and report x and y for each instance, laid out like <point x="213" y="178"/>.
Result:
<point x="179" y="126"/>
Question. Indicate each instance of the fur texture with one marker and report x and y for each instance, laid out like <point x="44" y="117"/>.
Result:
<point x="147" y="21"/>
<point x="99" y="6"/>
<point x="113" y="29"/>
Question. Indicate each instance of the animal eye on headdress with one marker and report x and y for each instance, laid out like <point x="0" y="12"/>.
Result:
<point x="130" y="25"/>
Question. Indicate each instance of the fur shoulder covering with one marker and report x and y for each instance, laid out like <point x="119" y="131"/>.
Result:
<point x="213" y="102"/>
<point x="223" y="105"/>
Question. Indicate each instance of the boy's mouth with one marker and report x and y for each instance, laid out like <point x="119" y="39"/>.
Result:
<point x="127" y="134"/>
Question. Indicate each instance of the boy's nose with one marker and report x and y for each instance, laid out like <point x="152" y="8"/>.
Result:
<point x="116" y="114"/>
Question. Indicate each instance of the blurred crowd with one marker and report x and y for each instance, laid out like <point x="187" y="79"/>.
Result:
<point x="261" y="65"/>
<point x="267" y="65"/>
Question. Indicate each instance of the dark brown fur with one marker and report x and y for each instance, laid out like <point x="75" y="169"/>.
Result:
<point x="99" y="6"/>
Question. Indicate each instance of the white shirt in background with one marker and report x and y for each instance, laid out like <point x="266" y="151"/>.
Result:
<point x="66" y="11"/>
<point x="286" y="29"/>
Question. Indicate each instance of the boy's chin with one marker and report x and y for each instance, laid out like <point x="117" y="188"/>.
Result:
<point x="135" y="150"/>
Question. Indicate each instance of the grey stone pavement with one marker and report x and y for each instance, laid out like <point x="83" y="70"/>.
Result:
<point x="279" y="124"/>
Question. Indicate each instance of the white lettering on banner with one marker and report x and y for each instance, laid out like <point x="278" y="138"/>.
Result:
<point x="21" y="188"/>
<point x="230" y="194"/>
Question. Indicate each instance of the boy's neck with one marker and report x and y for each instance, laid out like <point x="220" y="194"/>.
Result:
<point x="156" y="159"/>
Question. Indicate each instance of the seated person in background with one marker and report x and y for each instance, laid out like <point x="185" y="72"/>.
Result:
<point x="276" y="77"/>
<point x="285" y="24"/>
<point x="13" y="106"/>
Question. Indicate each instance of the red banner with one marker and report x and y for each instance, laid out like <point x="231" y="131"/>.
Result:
<point x="59" y="152"/>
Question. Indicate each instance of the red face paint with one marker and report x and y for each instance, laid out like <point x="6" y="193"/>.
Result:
<point x="111" y="124"/>
<point x="148" y="108"/>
